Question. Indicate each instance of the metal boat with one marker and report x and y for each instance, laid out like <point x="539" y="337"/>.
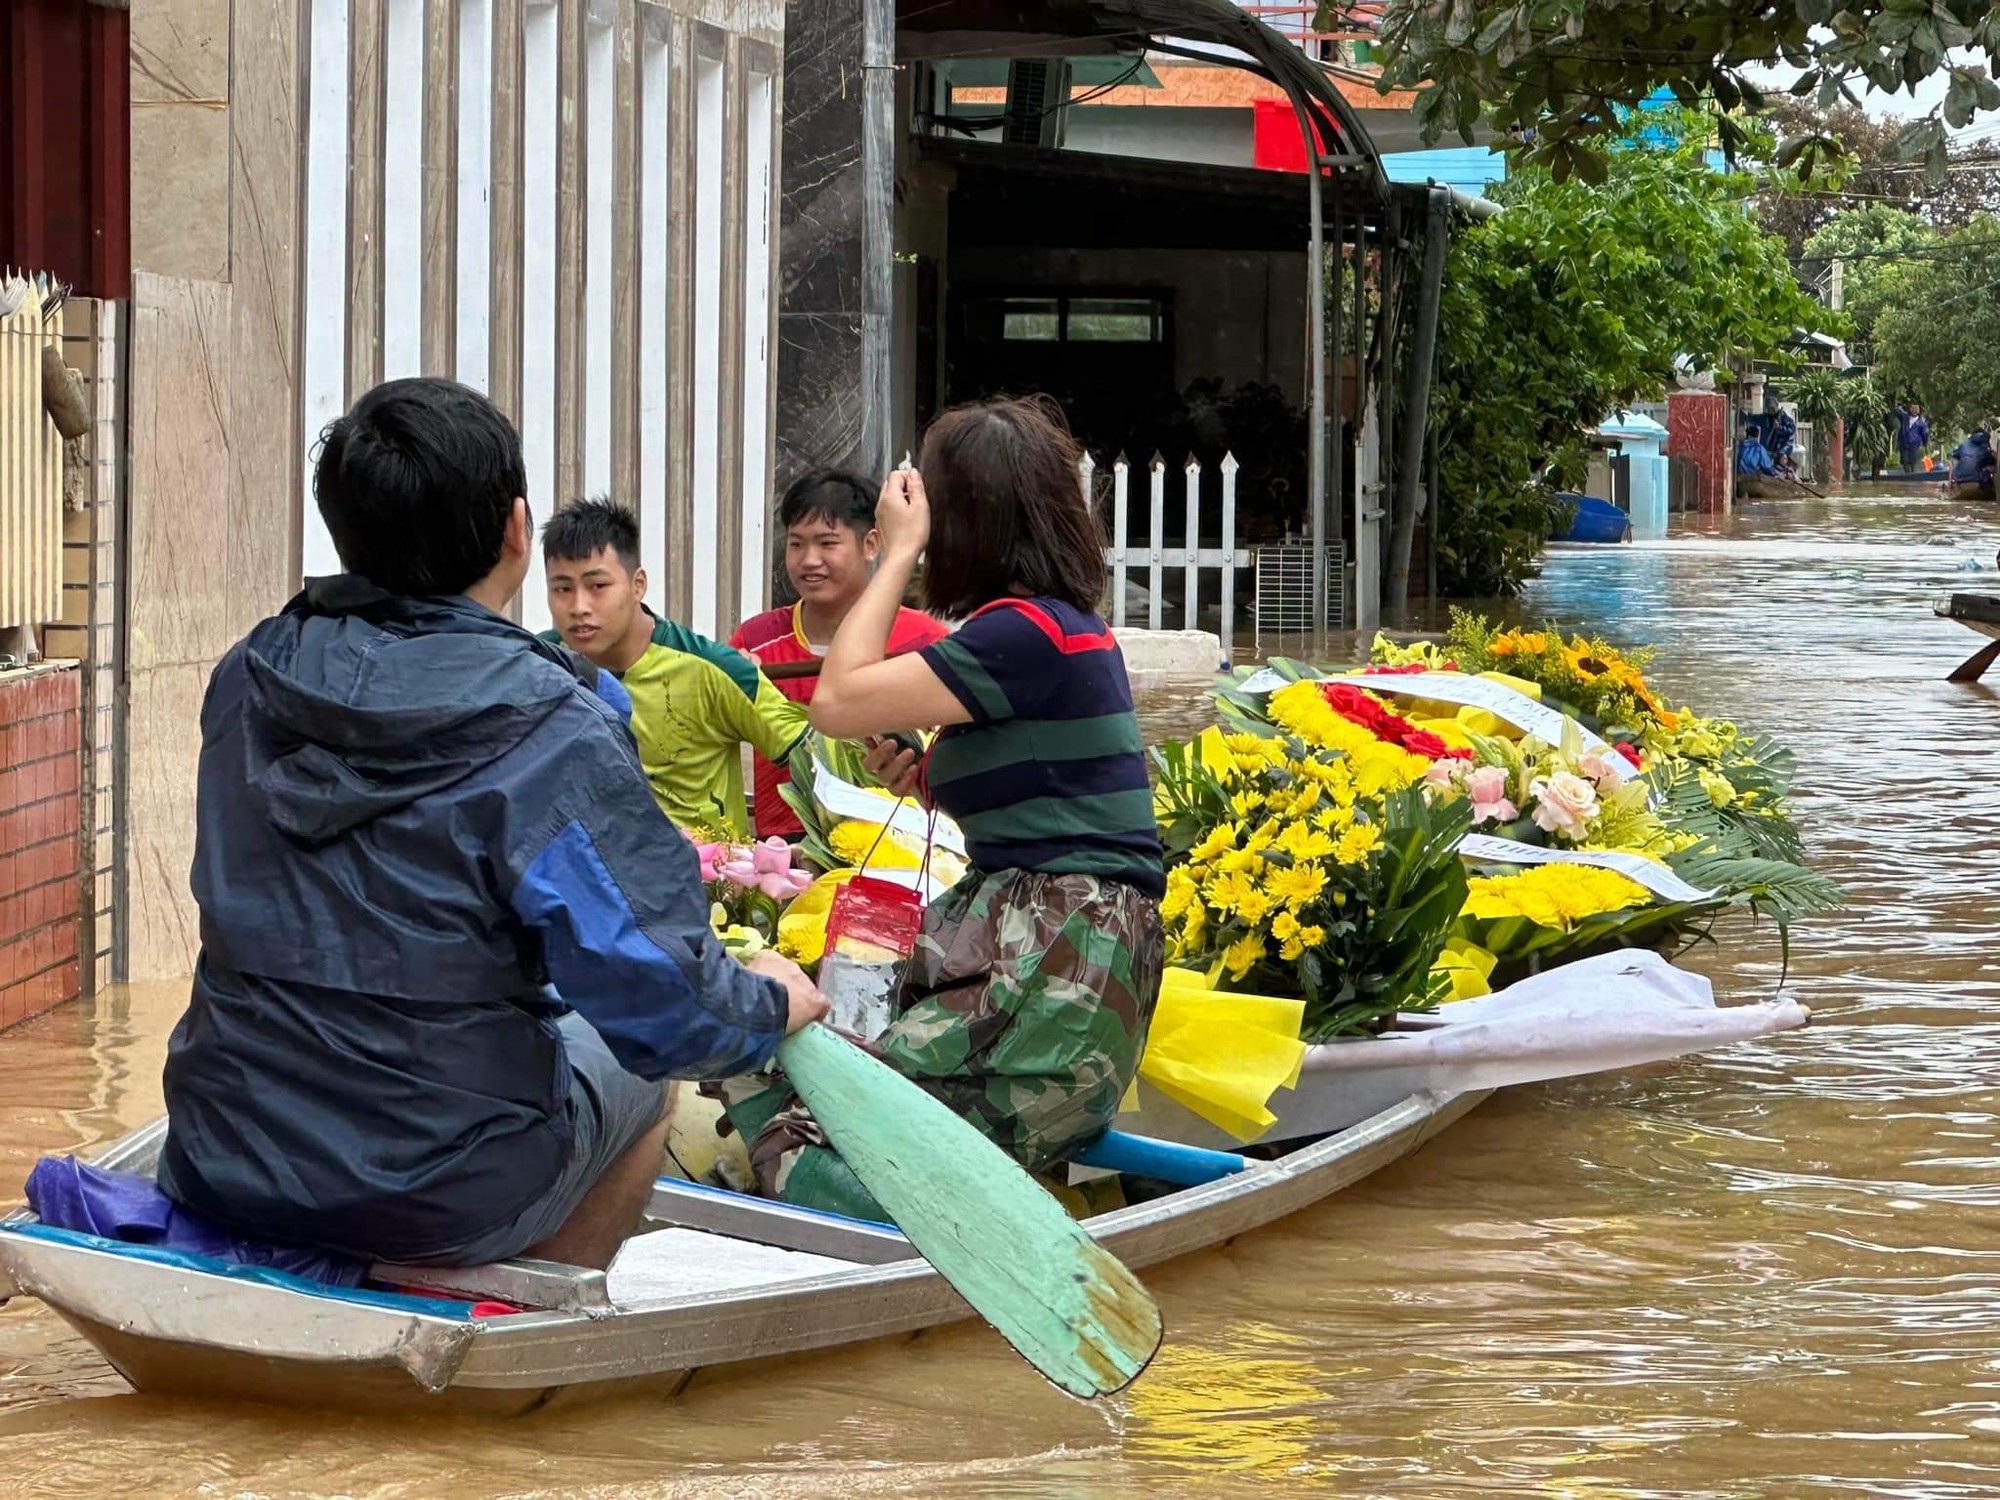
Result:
<point x="716" y="1279"/>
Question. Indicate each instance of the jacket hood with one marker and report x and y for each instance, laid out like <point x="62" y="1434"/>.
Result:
<point x="358" y="702"/>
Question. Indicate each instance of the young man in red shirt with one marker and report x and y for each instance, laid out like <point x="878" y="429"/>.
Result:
<point x="830" y="549"/>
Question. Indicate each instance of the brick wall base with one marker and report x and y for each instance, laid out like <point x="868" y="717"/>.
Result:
<point x="41" y="844"/>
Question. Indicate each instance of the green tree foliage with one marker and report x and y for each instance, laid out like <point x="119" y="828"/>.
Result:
<point x="1937" y="335"/>
<point x="1871" y="423"/>
<point x="1876" y="245"/>
<point x="1821" y="400"/>
<point x="1560" y="74"/>
<point x="1870" y="171"/>
<point x="1575" y="301"/>
<point x="1819" y="397"/>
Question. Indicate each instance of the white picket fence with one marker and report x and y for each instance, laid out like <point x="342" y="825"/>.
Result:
<point x="1155" y="557"/>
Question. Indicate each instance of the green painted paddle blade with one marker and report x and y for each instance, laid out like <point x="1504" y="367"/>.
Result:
<point x="1062" y="1300"/>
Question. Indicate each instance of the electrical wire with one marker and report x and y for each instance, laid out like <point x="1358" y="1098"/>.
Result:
<point x="969" y="124"/>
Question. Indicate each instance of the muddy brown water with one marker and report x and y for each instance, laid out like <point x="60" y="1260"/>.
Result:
<point x="1770" y="1272"/>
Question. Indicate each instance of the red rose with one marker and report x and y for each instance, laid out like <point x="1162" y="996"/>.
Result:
<point x="1423" y="742"/>
<point x="1629" y="751"/>
<point x="1357" y="707"/>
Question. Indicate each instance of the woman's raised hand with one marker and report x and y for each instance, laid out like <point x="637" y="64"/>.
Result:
<point x="903" y="514"/>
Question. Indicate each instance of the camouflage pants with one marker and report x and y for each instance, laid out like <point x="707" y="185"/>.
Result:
<point x="1024" y="1007"/>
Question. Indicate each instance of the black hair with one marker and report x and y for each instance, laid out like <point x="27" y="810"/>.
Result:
<point x="584" y="528"/>
<point x="829" y="494"/>
<point x="417" y="483"/>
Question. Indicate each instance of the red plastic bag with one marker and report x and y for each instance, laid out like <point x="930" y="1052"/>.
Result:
<point x="873" y="920"/>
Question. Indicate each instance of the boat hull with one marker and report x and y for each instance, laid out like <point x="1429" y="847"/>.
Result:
<point x="1980" y="614"/>
<point x="1769" y="487"/>
<point x="181" y="1333"/>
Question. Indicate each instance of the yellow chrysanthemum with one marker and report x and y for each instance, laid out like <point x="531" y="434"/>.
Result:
<point x="1238" y="862"/>
<point x="1284" y="927"/>
<point x="1334" y="820"/>
<point x="1302" y="843"/>
<point x="1194" y="928"/>
<point x="1221" y="839"/>
<point x="1224" y="891"/>
<point x="1182" y="891"/>
<point x="1296" y="887"/>
<point x="1556" y="896"/>
<point x="1380" y="769"/>
<point x="1301" y="709"/>
<point x="1301" y="941"/>
<point x="1239" y="896"/>
<point x="1243" y="955"/>
<point x="1355" y="845"/>
<point x="1304" y="800"/>
<point x="853" y="839"/>
<point x="1255" y="753"/>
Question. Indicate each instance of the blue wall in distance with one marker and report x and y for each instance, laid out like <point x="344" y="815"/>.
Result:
<point x="1470" y="169"/>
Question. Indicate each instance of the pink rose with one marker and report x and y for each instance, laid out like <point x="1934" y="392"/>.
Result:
<point x="1599" y="769"/>
<point x="1443" y="775"/>
<point x="1487" y="787"/>
<point x="783" y="885"/>
<point x="710" y="856"/>
<point x="772" y="857"/>
<point x="741" y="873"/>
<point x="1564" y="804"/>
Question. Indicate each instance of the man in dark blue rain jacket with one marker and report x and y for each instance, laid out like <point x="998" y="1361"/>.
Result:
<point x="1973" y="462"/>
<point x="1752" y="457"/>
<point x="446" y="935"/>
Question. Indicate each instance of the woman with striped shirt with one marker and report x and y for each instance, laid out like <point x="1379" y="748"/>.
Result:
<point x="1026" y="1002"/>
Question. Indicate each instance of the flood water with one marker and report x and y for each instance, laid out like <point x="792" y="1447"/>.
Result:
<point x="1770" y="1272"/>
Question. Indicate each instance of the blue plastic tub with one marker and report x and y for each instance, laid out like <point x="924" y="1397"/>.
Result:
<point x="1596" y="521"/>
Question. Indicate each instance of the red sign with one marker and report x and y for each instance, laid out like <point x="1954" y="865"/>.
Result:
<point x="1280" y="146"/>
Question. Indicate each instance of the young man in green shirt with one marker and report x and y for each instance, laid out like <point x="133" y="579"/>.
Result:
<point x="695" y="702"/>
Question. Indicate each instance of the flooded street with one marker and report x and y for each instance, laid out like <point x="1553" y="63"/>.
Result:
<point x="1774" y="1272"/>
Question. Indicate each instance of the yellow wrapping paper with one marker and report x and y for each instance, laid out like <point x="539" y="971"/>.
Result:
<point x="1221" y="1055"/>
<point x="1520" y="685"/>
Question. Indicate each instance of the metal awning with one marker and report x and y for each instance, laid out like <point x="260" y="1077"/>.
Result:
<point x="1212" y="30"/>
<point x="1010" y="195"/>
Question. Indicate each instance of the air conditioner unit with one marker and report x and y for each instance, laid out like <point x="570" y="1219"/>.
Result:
<point x="1037" y="100"/>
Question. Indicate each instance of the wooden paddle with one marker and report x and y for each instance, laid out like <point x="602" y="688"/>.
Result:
<point x="784" y="671"/>
<point x="1065" y="1303"/>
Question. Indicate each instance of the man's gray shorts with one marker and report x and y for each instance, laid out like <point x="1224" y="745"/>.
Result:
<point x="614" y="1110"/>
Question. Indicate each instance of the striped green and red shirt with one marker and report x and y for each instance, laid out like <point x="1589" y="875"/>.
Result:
<point x="1050" y="775"/>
